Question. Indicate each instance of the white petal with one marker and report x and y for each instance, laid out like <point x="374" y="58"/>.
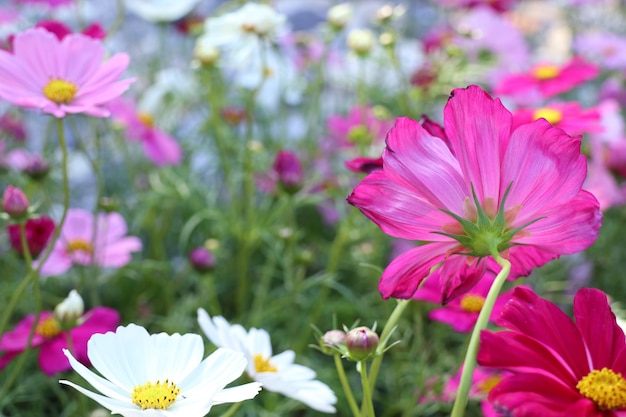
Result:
<point x="174" y="356"/>
<point x="99" y="383"/>
<point x="107" y="402"/>
<point x="237" y="394"/>
<point x="214" y="373"/>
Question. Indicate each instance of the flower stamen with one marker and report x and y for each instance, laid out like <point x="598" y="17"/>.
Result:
<point x="606" y="388"/>
<point x="60" y="91"/>
<point x="158" y="396"/>
<point x="545" y="72"/>
<point x="551" y="115"/>
<point x="76" y="245"/>
<point x="472" y="303"/>
<point x="48" y="328"/>
<point x="262" y="364"/>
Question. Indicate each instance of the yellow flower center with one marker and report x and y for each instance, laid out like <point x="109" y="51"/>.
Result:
<point x="146" y="118"/>
<point x="48" y="328"/>
<point x="157" y="396"/>
<point x="248" y="27"/>
<point x="60" y="91"/>
<point x="545" y="72"/>
<point x="472" y="303"/>
<point x="261" y="364"/>
<point x="552" y="115"/>
<point x="76" y="245"/>
<point x="490" y="382"/>
<point x="605" y="388"/>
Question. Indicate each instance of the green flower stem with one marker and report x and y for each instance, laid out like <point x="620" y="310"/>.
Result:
<point x="346" y="386"/>
<point x="25" y="249"/>
<point x="469" y="364"/>
<point x="384" y="336"/>
<point x="33" y="273"/>
<point x="367" y="405"/>
<point x="231" y="411"/>
<point x="208" y="285"/>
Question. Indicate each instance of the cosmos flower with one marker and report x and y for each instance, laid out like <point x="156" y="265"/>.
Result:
<point x="559" y="367"/>
<point x="52" y="335"/>
<point x="38" y="233"/>
<point x="160" y="374"/>
<point x="277" y="373"/>
<point x="61" y="76"/>
<point x="606" y="49"/>
<point x="76" y="245"/>
<point x="546" y="80"/>
<point x="568" y="116"/>
<point x="485" y="189"/>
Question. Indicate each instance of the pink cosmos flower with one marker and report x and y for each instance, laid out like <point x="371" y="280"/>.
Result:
<point x="498" y="5"/>
<point x="52" y="339"/>
<point x="487" y="189"/>
<point x="60" y="30"/>
<point x="360" y="125"/>
<point x="61" y="76"/>
<point x="111" y="247"/>
<point x="560" y="368"/>
<point x="51" y="3"/>
<point x="568" y="116"/>
<point x="605" y="49"/>
<point x="462" y="312"/>
<point x="159" y="147"/>
<point x="546" y="80"/>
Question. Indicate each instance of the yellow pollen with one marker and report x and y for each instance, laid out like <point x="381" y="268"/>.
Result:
<point x="472" y="303"/>
<point x="605" y="388"/>
<point x="490" y="382"/>
<point x="263" y="365"/>
<point x="146" y="118"/>
<point x="156" y="396"/>
<point x="76" y="245"/>
<point x="552" y="115"/>
<point x="48" y="328"/>
<point x="60" y="91"/>
<point x="267" y="72"/>
<point x="545" y="72"/>
<point x="248" y="27"/>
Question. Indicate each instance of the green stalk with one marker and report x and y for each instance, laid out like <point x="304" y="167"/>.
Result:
<point x="469" y="364"/>
<point x="367" y="405"/>
<point x="346" y="386"/>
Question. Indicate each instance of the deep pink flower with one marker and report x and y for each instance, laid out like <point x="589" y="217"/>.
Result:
<point x="61" y="76"/>
<point x="483" y="381"/>
<point x="462" y="312"/>
<point x="517" y="192"/>
<point x="60" y="30"/>
<point x="364" y="165"/>
<point x="360" y="125"/>
<point x="158" y="146"/>
<point x="498" y="5"/>
<point x="560" y="368"/>
<point x="76" y="244"/>
<point x="38" y="233"/>
<point x="568" y="116"/>
<point x="52" y="339"/>
<point x="546" y="80"/>
<point x="288" y="170"/>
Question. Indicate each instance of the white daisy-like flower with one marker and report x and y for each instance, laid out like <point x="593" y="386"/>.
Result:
<point x="277" y="373"/>
<point x="158" y="375"/>
<point x="161" y="10"/>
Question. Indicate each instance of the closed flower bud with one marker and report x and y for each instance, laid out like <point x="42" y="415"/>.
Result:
<point x="289" y="170"/>
<point x="70" y="309"/>
<point x="206" y="53"/>
<point x="14" y="202"/>
<point x="338" y="16"/>
<point x="201" y="259"/>
<point x="332" y="342"/>
<point x="361" y="343"/>
<point x="361" y="41"/>
<point x="36" y="169"/>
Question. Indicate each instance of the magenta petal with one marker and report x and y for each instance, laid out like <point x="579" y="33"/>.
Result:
<point x="596" y="321"/>
<point x="16" y="339"/>
<point x="397" y="210"/>
<point x="424" y="163"/>
<point x="478" y="128"/>
<point x="524" y="259"/>
<point x="458" y="275"/>
<point x="51" y="358"/>
<point x="543" y="321"/>
<point x="161" y="148"/>
<point x="403" y="275"/>
<point x="460" y="321"/>
<point x="540" y="396"/>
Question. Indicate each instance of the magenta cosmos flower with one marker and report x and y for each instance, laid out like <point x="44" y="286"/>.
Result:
<point x="38" y="233"/>
<point x="52" y="339"/>
<point x="76" y="244"/>
<point x="547" y="80"/>
<point x="560" y="368"/>
<point x="486" y="188"/>
<point x="61" y="76"/>
<point x="568" y="116"/>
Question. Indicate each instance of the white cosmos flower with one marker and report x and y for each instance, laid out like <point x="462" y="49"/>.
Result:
<point x="158" y="375"/>
<point x="161" y="10"/>
<point x="277" y="373"/>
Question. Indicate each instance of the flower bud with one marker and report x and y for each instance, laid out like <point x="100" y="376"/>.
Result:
<point x="38" y="233"/>
<point x="70" y="309"/>
<point x="338" y="16"/>
<point x="334" y="338"/>
<point x="289" y="170"/>
<point x="361" y="41"/>
<point x="36" y="169"/>
<point x="361" y="343"/>
<point x="201" y="259"/>
<point x="206" y="53"/>
<point x="14" y="202"/>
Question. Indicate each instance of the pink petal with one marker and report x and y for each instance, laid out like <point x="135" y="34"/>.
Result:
<point x="397" y="209"/>
<point x="459" y="320"/>
<point x="51" y="358"/>
<point x="161" y="148"/>
<point x="478" y="128"/>
<point x="459" y="274"/>
<point x="85" y="55"/>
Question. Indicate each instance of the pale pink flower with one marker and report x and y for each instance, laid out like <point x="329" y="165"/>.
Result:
<point x="110" y="247"/>
<point x="483" y="381"/>
<point x="360" y="125"/>
<point x="159" y="147"/>
<point x="568" y="116"/>
<point x="487" y="189"/>
<point x="61" y="76"/>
